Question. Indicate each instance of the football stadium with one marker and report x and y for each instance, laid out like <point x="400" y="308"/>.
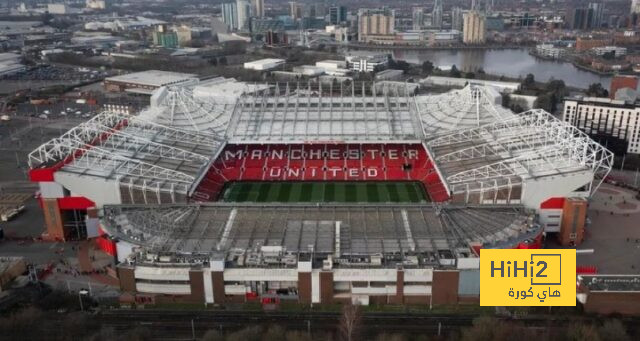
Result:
<point x="222" y="191"/>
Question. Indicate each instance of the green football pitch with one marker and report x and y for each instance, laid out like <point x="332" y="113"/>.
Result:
<point x="343" y="192"/>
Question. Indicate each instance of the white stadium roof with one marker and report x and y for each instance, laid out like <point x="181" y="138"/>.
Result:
<point x="135" y="152"/>
<point x="503" y="153"/>
<point x="165" y="150"/>
<point x="395" y="231"/>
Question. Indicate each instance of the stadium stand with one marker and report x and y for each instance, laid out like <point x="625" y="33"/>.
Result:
<point x="322" y="162"/>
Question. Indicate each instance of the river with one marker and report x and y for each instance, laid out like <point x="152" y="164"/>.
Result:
<point x="511" y="63"/>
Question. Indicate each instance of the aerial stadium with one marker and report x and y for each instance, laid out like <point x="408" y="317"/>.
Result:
<point x="222" y="191"/>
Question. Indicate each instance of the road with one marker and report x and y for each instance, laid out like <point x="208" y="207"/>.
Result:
<point x="174" y="325"/>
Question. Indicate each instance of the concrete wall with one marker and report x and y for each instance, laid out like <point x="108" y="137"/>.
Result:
<point x="536" y="191"/>
<point x="100" y="191"/>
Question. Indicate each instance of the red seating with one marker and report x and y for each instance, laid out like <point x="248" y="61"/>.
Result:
<point x="335" y="155"/>
<point x="393" y="155"/>
<point x="318" y="162"/>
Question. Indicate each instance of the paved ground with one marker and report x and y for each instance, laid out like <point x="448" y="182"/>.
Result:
<point x="614" y="233"/>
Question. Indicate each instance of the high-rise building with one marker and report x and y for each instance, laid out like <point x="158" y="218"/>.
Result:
<point x="457" y="20"/>
<point x="615" y="123"/>
<point x="165" y="37"/>
<point x="586" y="18"/>
<point x="295" y="10"/>
<point x="475" y="5"/>
<point x="230" y="14"/>
<point x="257" y="8"/>
<point x="244" y="14"/>
<point x="474" y="28"/>
<point x="436" y="14"/>
<point x="375" y="22"/>
<point x="321" y="9"/>
<point x="418" y="18"/>
<point x="596" y="14"/>
<point x="337" y="15"/>
<point x="635" y="6"/>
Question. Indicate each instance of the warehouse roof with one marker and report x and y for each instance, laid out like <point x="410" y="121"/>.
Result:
<point x="154" y="78"/>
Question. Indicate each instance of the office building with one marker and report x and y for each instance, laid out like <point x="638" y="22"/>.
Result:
<point x="474" y="30"/>
<point x="635" y="6"/>
<point x="337" y="15"/>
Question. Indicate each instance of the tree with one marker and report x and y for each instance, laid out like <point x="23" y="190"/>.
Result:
<point x="544" y="101"/>
<point x="613" y="330"/>
<point x="487" y="328"/>
<point x="506" y="100"/>
<point x="580" y="332"/>
<point x="454" y="72"/>
<point x="399" y="65"/>
<point x="212" y="335"/>
<point x="470" y="75"/>
<point x="596" y="90"/>
<point x="611" y="55"/>
<point x="528" y="82"/>
<point x="274" y="333"/>
<point x="350" y="322"/>
<point x="427" y="68"/>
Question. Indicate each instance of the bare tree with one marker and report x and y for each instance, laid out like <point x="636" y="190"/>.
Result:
<point x="350" y="322"/>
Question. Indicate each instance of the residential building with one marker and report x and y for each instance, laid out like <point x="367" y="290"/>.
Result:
<point x="457" y="19"/>
<point x="550" y="51"/>
<point x="96" y="4"/>
<point x="257" y="8"/>
<point x="621" y="82"/>
<point x="618" y="51"/>
<point x="183" y="34"/>
<point x="375" y="22"/>
<point x="614" y="123"/>
<point x="230" y="14"/>
<point x="57" y="8"/>
<point x="418" y="18"/>
<point x="244" y="14"/>
<point x="436" y="14"/>
<point x="295" y="10"/>
<point x="588" y="43"/>
<point x="635" y="6"/>
<point x="164" y="37"/>
<point x="474" y="30"/>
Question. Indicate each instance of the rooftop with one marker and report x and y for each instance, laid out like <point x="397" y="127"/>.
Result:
<point x="611" y="282"/>
<point x="345" y="231"/>
<point x="130" y="150"/>
<point x="154" y="78"/>
<point x="502" y="153"/>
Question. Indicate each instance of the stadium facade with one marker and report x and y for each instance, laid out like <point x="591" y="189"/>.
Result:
<point x="148" y="187"/>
